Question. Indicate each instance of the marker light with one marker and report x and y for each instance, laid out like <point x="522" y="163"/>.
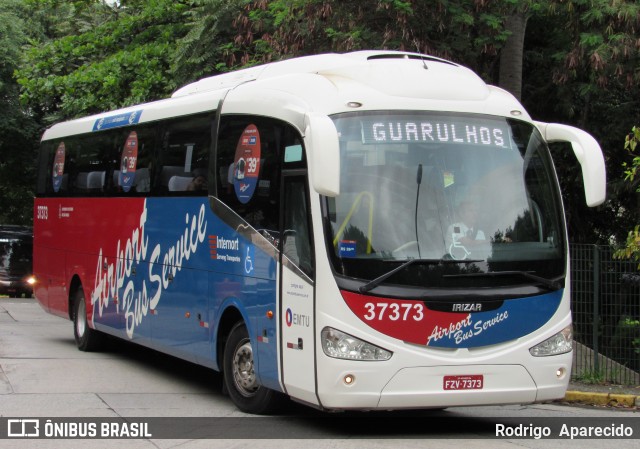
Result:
<point x="349" y="379"/>
<point x="560" y="343"/>
<point x="339" y="345"/>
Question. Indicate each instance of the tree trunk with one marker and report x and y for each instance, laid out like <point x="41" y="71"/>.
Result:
<point x="512" y="54"/>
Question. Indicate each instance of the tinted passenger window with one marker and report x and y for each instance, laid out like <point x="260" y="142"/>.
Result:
<point x="168" y="157"/>
<point x="250" y="154"/>
<point x="132" y="165"/>
<point x="184" y="156"/>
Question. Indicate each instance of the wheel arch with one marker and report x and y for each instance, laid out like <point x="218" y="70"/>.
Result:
<point x="228" y="319"/>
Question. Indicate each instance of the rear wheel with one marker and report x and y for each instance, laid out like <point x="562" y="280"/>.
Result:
<point x="87" y="339"/>
<point x="240" y="377"/>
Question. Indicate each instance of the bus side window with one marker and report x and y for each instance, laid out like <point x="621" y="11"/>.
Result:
<point x="86" y="164"/>
<point x="184" y="156"/>
<point x="296" y="243"/>
<point x="132" y="163"/>
<point x="56" y="165"/>
<point x="249" y="151"/>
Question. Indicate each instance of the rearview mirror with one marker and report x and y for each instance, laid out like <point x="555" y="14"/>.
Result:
<point x="589" y="155"/>
<point x="323" y="150"/>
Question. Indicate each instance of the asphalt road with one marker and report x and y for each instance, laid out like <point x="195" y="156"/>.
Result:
<point x="44" y="376"/>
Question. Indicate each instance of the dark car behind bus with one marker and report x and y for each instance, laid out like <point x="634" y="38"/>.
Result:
<point x="16" y="252"/>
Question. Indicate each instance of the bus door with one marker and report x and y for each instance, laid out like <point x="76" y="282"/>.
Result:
<point x="297" y="310"/>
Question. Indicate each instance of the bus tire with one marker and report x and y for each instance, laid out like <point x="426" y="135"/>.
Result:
<point x="240" y="378"/>
<point x="87" y="339"/>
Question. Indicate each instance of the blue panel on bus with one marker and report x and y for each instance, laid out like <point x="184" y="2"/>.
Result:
<point x="413" y="322"/>
<point x="177" y="266"/>
<point x="116" y="121"/>
<point x="516" y="318"/>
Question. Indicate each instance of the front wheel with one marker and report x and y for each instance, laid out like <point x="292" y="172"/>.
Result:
<point x="87" y="339"/>
<point x="240" y="377"/>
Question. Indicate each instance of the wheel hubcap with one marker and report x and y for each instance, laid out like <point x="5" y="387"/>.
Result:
<point x="244" y="375"/>
<point x="81" y="319"/>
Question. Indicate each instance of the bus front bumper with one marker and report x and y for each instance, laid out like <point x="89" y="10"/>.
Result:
<point x="446" y="386"/>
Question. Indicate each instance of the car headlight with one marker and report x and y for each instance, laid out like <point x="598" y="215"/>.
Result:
<point x="31" y="280"/>
<point x="560" y="343"/>
<point x="339" y="345"/>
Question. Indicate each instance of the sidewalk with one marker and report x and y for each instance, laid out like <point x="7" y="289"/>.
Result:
<point x="604" y="395"/>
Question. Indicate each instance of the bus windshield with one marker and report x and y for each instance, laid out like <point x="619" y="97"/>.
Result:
<point x="470" y="194"/>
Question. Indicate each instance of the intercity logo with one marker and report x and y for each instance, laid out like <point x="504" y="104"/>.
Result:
<point x="226" y="250"/>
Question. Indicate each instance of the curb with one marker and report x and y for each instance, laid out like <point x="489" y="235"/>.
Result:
<point x="605" y="399"/>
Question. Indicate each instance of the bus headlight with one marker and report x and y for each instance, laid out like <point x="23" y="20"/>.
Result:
<point x="560" y="343"/>
<point x="339" y="345"/>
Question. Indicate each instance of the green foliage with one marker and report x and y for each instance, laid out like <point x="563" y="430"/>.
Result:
<point x="629" y="329"/>
<point x="209" y="42"/>
<point x="606" y="46"/>
<point x="11" y="39"/>
<point x="18" y="128"/>
<point x="631" y="250"/>
<point x="115" y="60"/>
<point x="470" y="31"/>
<point x="583" y="56"/>
<point x="626" y="342"/>
<point x="76" y="57"/>
<point x="591" y="377"/>
<point x="630" y="144"/>
<point x="603" y="376"/>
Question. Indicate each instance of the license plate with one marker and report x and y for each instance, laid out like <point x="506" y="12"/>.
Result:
<point x="467" y="382"/>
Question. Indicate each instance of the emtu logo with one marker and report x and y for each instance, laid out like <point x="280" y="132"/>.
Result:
<point x="297" y="319"/>
<point x="289" y="317"/>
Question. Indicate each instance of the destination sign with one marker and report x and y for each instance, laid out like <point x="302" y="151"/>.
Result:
<point x="436" y="130"/>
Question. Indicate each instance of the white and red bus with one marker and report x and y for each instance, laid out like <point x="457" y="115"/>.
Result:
<point x="373" y="230"/>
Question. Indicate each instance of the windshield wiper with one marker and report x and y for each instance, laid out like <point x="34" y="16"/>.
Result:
<point x="380" y="279"/>
<point x="551" y="284"/>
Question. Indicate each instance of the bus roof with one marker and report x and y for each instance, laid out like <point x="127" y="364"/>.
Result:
<point x="320" y="64"/>
<point x="326" y="83"/>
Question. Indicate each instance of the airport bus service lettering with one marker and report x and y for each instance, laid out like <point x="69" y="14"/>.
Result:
<point x="110" y="280"/>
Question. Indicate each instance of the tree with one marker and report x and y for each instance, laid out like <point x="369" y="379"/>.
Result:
<point x="512" y="58"/>
<point x="120" y="56"/>
<point x="18" y="128"/>
<point x="208" y="46"/>
<point x="467" y="31"/>
<point x="584" y="56"/>
<point x="86" y="56"/>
